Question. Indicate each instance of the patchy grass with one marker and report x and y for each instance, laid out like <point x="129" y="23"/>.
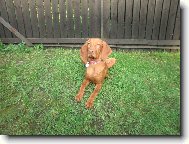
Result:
<point x="37" y="90"/>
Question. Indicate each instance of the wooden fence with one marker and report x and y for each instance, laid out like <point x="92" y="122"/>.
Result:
<point x="124" y="22"/>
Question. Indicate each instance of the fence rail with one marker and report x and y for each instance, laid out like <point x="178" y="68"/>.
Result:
<point x="76" y="19"/>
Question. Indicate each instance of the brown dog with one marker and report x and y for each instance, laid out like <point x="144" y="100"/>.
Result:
<point x="94" y="54"/>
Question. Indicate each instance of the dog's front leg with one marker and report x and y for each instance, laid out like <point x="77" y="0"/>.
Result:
<point x="81" y="90"/>
<point x="91" y="99"/>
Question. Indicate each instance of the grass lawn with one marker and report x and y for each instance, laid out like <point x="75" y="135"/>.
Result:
<point x="37" y="90"/>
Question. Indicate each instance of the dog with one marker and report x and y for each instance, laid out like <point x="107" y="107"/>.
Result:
<point x="94" y="54"/>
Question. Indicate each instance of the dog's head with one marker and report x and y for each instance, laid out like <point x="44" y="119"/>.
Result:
<point x="94" y="49"/>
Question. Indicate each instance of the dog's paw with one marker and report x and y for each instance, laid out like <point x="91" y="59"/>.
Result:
<point x="89" y="104"/>
<point x="78" y="98"/>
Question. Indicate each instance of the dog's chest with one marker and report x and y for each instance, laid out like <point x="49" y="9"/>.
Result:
<point x="96" y="72"/>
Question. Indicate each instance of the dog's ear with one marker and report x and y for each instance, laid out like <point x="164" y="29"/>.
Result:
<point x="110" y="62"/>
<point x="106" y="50"/>
<point x="84" y="52"/>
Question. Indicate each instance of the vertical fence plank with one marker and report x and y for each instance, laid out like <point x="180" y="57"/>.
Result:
<point x="106" y="18"/>
<point x="19" y="17"/>
<point x="56" y="27"/>
<point x="150" y="17"/>
<point x="92" y="26"/>
<point x="128" y="19"/>
<point x="121" y="14"/>
<point x="94" y="21"/>
<point x="77" y="18"/>
<point x="26" y="17"/>
<point x="11" y="14"/>
<point x="143" y="14"/>
<point x="135" y="26"/>
<point x="157" y="19"/>
<point x="48" y="18"/>
<point x="63" y="25"/>
<point x="84" y="11"/>
<point x="97" y="15"/>
<point x="4" y="14"/>
<point x="34" y="20"/>
<point x="113" y="31"/>
<point x="176" y="35"/>
<point x="165" y="13"/>
<point x="2" y="33"/>
<point x="41" y="18"/>
<point x="172" y="18"/>
<point x="70" y="21"/>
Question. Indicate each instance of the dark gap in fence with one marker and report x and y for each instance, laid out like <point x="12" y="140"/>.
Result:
<point x="124" y="21"/>
<point x="132" y="19"/>
<point x="139" y="15"/>
<point x="138" y="23"/>
<point x="117" y="18"/>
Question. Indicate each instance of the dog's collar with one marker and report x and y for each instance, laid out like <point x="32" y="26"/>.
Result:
<point x="91" y="63"/>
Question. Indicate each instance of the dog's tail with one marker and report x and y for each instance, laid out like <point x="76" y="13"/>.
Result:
<point x="110" y="62"/>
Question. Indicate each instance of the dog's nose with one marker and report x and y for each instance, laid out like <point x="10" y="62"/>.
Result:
<point x="91" y="51"/>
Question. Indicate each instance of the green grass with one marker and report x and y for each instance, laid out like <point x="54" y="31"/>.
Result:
<point x="141" y="96"/>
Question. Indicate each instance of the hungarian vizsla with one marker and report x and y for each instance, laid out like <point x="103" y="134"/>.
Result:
<point x="94" y="54"/>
